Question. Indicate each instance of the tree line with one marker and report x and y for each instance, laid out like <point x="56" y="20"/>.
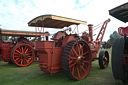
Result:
<point x="113" y="37"/>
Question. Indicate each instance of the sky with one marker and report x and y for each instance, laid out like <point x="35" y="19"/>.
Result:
<point x="15" y="14"/>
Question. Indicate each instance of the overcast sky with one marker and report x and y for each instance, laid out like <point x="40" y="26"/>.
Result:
<point x="15" y="14"/>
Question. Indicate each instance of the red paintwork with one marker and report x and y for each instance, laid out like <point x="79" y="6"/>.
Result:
<point x="46" y="50"/>
<point x="123" y="31"/>
<point x="50" y="52"/>
<point x="125" y="59"/>
<point x="68" y="39"/>
<point x="6" y="49"/>
<point x="90" y="31"/>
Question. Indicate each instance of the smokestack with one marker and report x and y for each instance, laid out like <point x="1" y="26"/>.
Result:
<point x="90" y="26"/>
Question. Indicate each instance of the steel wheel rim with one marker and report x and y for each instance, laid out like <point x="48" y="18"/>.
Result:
<point x="22" y="55"/>
<point x="105" y="59"/>
<point x="80" y="61"/>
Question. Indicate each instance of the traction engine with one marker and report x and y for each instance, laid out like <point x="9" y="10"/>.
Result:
<point x="120" y="46"/>
<point x="17" y="51"/>
<point x="66" y="50"/>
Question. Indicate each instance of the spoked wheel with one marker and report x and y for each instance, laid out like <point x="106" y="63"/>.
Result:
<point x="21" y="55"/>
<point x="76" y="59"/>
<point x="103" y="59"/>
<point x="118" y="69"/>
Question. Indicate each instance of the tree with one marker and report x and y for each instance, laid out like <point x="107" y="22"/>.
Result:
<point x="113" y="37"/>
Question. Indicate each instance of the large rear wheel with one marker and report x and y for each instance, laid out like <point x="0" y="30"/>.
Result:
<point x="118" y="69"/>
<point x="21" y="55"/>
<point x="76" y="59"/>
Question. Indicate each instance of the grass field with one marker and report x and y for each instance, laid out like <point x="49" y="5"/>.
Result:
<point x="31" y="75"/>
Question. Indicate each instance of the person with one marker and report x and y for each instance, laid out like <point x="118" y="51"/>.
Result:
<point x="85" y="37"/>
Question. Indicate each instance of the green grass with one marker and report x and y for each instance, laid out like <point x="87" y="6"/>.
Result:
<point x="31" y="75"/>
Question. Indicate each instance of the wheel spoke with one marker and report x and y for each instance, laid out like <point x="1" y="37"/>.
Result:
<point x="73" y="69"/>
<point x="71" y="61"/>
<point x="78" y="48"/>
<point x="17" y="59"/>
<point x="18" y="51"/>
<point x="105" y="59"/>
<point x="28" y="57"/>
<point x="29" y="51"/>
<point x="22" y="49"/>
<point x="21" y="61"/>
<point x="83" y="68"/>
<point x="26" y="60"/>
<point x="78" y="71"/>
<point x="73" y="58"/>
<point x="85" y="61"/>
<point x="81" y="50"/>
<point x="28" y="54"/>
<point x="16" y="56"/>
<point x="86" y="53"/>
<point x="104" y="63"/>
<point x="72" y="64"/>
<point x="19" y="48"/>
<point x="26" y="50"/>
<point x="75" y="51"/>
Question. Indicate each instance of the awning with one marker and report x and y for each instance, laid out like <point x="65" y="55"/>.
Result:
<point x="53" y="21"/>
<point x="120" y="12"/>
<point x="22" y="33"/>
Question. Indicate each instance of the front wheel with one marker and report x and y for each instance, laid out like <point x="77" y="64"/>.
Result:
<point x="21" y="55"/>
<point x="103" y="59"/>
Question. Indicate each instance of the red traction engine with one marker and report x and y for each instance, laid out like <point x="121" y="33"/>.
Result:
<point x="120" y="46"/>
<point x="17" y="51"/>
<point x="67" y="50"/>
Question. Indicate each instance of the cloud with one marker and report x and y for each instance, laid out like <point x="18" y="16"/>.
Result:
<point x="82" y="3"/>
<point x="15" y="14"/>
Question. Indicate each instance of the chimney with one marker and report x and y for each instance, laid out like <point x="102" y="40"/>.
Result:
<point x="90" y="26"/>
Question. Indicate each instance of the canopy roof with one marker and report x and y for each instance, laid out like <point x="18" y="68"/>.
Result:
<point x="53" y="21"/>
<point x="22" y="33"/>
<point x="120" y="12"/>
